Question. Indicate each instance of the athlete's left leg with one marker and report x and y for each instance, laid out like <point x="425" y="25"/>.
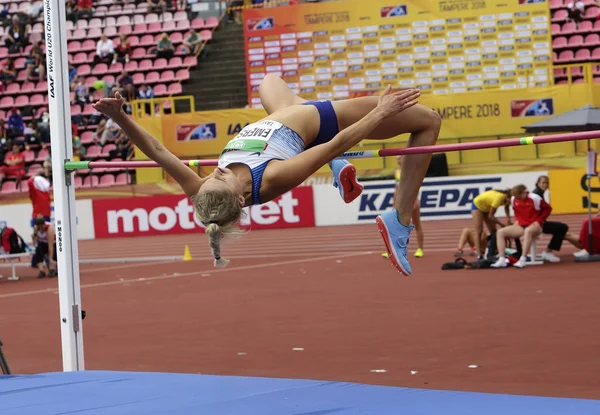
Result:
<point x="424" y="125"/>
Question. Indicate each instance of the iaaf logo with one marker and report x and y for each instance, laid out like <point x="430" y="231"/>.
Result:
<point x="439" y="197"/>
<point x="175" y="215"/>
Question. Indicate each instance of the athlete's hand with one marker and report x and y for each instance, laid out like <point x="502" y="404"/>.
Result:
<point x="111" y="107"/>
<point x="392" y="103"/>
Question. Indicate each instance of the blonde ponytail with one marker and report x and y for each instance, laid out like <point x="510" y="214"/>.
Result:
<point x="214" y="240"/>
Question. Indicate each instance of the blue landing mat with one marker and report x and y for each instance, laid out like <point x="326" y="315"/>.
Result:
<point x="125" y="393"/>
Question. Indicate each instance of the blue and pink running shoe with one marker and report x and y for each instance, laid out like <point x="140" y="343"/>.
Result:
<point x="344" y="179"/>
<point x="396" y="237"/>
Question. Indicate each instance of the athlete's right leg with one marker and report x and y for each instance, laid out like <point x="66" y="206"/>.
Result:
<point x="275" y="94"/>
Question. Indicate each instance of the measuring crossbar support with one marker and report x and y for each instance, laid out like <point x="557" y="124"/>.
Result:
<point x="442" y="148"/>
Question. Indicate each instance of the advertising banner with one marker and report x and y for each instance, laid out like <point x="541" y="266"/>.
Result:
<point x="441" y="198"/>
<point x="18" y="217"/>
<point x="569" y="191"/>
<point x="341" y="49"/>
<point x="174" y="214"/>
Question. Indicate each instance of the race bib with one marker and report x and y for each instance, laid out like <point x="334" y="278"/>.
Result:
<point x="254" y="137"/>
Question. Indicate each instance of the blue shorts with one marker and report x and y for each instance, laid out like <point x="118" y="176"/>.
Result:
<point x="474" y="207"/>
<point x="329" y="122"/>
<point x="46" y="218"/>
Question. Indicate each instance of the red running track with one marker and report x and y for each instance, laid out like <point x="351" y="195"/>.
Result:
<point x="328" y="292"/>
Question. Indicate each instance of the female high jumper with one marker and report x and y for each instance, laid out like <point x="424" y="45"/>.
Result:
<point x="274" y="155"/>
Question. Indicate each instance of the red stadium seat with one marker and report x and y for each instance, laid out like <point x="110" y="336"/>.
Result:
<point x="29" y="156"/>
<point x="147" y="40"/>
<point x="183" y="25"/>
<point x="122" y="179"/>
<point x="79" y="34"/>
<point x="560" y="15"/>
<point x="575" y="41"/>
<point x="93" y="152"/>
<point x="146" y="65"/>
<point x="7" y="102"/>
<point x="115" y="68"/>
<point x="125" y="30"/>
<point x="566" y="56"/>
<point x="569" y="28"/>
<point x="182" y="75"/>
<point x="585" y="27"/>
<point x="593" y="39"/>
<point x="198" y="23"/>
<point x="175" y="62"/>
<point x="160" y="63"/>
<point x="87" y="137"/>
<point x="78" y="182"/>
<point x="42" y="155"/>
<point x="9" y="187"/>
<point x="175" y="89"/>
<point x="95" y="22"/>
<point x="131" y="66"/>
<point x="28" y="87"/>
<point x="212" y="22"/>
<point x="23" y="186"/>
<point x="107" y="180"/>
<point x="90" y="181"/>
<point x="138" y="53"/>
<point x="22" y="101"/>
<point x="38" y="99"/>
<point x="107" y="149"/>
<point x="152" y="77"/>
<point x="84" y="70"/>
<point x="582" y="55"/>
<point x="123" y="20"/>
<point x="160" y="90"/>
<point x="559" y="42"/>
<point x="169" y="26"/>
<point x="167" y="76"/>
<point x="88" y="45"/>
<point x="74" y="46"/>
<point x="12" y="89"/>
<point x="79" y="58"/>
<point x="109" y="79"/>
<point x="138" y="78"/>
<point x="140" y="28"/>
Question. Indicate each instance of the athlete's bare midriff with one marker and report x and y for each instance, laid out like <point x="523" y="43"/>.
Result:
<point x="303" y="119"/>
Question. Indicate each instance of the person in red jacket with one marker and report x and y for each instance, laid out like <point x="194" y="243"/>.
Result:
<point x="531" y="211"/>
<point x="39" y="194"/>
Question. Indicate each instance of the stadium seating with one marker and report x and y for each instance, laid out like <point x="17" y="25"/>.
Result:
<point x="143" y="30"/>
<point x="575" y="43"/>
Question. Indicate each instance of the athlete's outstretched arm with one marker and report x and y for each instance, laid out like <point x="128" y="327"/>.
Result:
<point x="150" y="146"/>
<point x="286" y="175"/>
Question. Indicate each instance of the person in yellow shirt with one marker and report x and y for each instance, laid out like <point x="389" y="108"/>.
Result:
<point x="483" y="210"/>
<point x="416" y="214"/>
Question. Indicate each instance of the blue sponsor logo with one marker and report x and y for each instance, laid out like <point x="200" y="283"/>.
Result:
<point x="206" y="131"/>
<point x="264" y="24"/>
<point x="398" y="11"/>
<point x="540" y="108"/>
<point x="439" y="197"/>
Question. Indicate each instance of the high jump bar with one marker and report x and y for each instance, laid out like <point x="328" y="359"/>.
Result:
<point x="477" y="145"/>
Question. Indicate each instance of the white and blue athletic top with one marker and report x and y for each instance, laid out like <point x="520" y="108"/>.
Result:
<point x="258" y="144"/>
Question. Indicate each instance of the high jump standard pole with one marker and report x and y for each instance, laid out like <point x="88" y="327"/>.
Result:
<point x="65" y="223"/>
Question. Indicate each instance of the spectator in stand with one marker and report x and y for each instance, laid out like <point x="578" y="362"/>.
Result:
<point x="125" y="86"/>
<point x="36" y="70"/>
<point x="43" y="125"/>
<point x="72" y="73"/>
<point x="105" y="50"/>
<point x="15" y="124"/>
<point x="124" y="148"/>
<point x="165" y="47"/>
<point x="78" y="149"/>
<point x="234" y="12"/>
<point x="32" y="135"/>
<point x="14" y="164"/>
<point x="83" y="10"/>
<point x="531" y="211"/>
<point x="45" y="241"/>
<point x="39" y="194"/>
<point x="4" y="142"/>
<point x="123" y="50"/>
<point x="8" y="72"/>
<point x="70" y="6"/>
<point x="192" y="43"/>
<point x="157" y="6"/>
<point x="47" y="166"/>
<point x="33" y="12"/>
<point x="82" y="93"/>
<point x="576" y="9"/>
<point x="146" y="92"/>
<point x="111" y="132"/>
<point x="97" y="135"/>
<point x="16" y="36"/>
<point x="36" y="48"/>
